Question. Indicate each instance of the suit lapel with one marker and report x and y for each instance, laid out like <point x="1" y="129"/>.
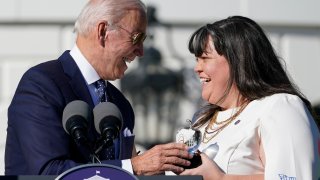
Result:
<point x="79" y="87"/>
<point x="76" y="81"/>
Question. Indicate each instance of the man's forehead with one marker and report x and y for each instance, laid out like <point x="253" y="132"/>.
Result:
<point x="136" y="19"/>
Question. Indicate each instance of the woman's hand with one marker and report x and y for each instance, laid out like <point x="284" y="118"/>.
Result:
<point x="211" y="171"/>
<point x="208" y="169"/>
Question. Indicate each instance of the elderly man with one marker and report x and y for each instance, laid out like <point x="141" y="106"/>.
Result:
<point x="110" y="34"/>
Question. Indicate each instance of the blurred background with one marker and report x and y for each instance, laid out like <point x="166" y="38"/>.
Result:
<point x="161" y="86"/>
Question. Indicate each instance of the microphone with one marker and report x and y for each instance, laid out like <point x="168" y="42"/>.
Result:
<point x="107" y="122"/>
<point x="75" y="120"/>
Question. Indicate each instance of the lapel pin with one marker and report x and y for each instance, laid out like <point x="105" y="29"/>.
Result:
<point x="237" y="122"/>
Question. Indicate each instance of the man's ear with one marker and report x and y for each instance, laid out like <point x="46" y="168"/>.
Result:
<point x="102" y="32"/>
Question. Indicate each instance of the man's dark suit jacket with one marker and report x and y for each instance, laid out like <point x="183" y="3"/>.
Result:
<point x="36" y="141"/>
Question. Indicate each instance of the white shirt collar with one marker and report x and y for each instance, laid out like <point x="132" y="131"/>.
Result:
<point x="88" y="72"/>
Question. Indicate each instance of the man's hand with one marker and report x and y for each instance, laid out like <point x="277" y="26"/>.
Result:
<point x="161" y="158"/>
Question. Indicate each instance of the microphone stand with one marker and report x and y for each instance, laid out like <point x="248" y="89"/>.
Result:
<point x="85" y="148"/>
<point x="106" y="140"/>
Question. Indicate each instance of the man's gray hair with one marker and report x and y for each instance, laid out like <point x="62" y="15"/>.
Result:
<point x="104" y="10"/>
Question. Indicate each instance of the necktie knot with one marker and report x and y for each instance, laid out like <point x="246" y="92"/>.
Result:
<point x="101" y="90"/>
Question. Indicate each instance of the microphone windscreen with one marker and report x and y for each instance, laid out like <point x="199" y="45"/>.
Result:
<point x="104" y="110"/>
<point x="75" y="108"/>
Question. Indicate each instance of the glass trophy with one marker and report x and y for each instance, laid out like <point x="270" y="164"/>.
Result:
<point x="192" y="138"/>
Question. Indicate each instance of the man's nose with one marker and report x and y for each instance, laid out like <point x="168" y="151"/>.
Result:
<point x="139" y="50"/>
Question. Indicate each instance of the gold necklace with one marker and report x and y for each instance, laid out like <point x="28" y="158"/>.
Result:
<point x="208" y="135"/>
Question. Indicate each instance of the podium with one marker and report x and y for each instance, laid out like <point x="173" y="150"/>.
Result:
<point x="99" y="171"/>
<point x="158" y="177"/>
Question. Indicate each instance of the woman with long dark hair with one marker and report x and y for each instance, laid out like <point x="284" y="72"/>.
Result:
<point x="260" y="122"/>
